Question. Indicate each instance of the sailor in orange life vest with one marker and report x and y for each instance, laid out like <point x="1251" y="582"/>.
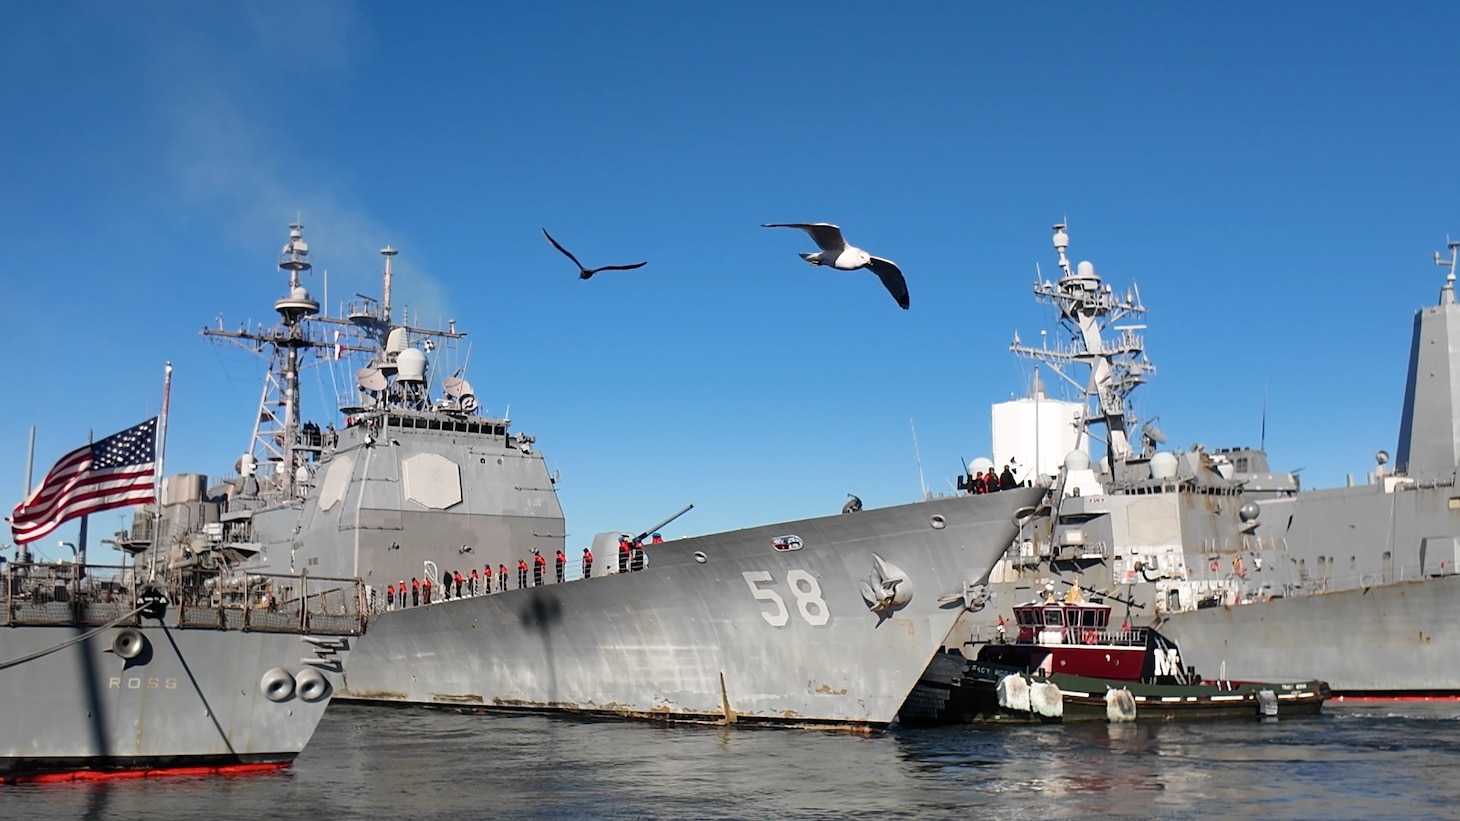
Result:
<point x="401" y="586"/>
<point x="587" y="563"/>
<point x="476" y="582"/>
<point x="657" y="539"/>
<point x="415" y="591"/>
<point x="623" y="554"/>
<point x="539" y="567"/>
<point x="501" y="578"/>
<point x="1001" y="629"/>
<point x="521" y="573"/>
<point x="390" y="597"/>
<point x="426" y="591"/>
<point x="560" y="563"/>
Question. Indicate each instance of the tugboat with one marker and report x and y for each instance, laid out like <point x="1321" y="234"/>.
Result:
<point x="1067" y="662"/>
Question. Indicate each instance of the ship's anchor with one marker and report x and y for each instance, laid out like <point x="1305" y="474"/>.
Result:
<point x="974" y="597"/>
<point x="888" y="588"/>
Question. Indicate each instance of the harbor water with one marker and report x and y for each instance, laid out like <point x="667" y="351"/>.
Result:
<point x="1358" y="760"/>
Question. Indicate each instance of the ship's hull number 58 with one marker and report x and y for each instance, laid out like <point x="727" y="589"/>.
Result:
<point x="804" y="589"/>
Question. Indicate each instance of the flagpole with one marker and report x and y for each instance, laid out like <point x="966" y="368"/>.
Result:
<point x="22" y="553"/>
<point x="161" y="452"/>
<point x="81" y="534"/>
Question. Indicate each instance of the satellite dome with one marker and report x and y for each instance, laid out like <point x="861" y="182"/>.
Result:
<point x="1163" y="465"/>
<point x="412" y="365"/>
<point x="370" y="378"/>
<point x="1077" y="460"/>
<point x="299" y="292"/>
<point x="1249" y="511"/>
<point x="1086" y="268"/>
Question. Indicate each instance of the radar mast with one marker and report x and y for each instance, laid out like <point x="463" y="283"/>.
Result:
<point x="1117" y="365"/>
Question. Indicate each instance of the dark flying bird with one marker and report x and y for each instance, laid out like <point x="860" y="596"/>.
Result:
<point x="584" y="273"/>
<point x="838" y="254"/>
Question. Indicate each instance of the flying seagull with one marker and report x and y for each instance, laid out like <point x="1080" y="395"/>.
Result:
<point x="838" y="254"/>
<point x="584" y="273"/>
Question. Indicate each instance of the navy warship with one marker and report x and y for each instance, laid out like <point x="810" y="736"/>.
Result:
<point x="175" y="663"/>
<point x="1248" y="572"/>
<point x="824" y="621"/>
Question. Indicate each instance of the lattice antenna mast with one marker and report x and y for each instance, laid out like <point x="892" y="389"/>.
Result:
<point x="1116" y="366"/>
<point x="275" y="450"/>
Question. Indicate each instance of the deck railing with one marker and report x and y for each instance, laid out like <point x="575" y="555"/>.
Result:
<point x="63" y="593"/>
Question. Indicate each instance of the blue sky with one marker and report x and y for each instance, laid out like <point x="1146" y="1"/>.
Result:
<point x="1275" y="177"/>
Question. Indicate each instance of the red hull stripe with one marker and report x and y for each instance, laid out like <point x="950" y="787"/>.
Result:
<point x="160" y="772"/>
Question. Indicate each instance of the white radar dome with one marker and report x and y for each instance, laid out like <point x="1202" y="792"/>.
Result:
<point x="1163" y="465"/>
<point x="1077" y="460"/>
<point x="412" y="366"/>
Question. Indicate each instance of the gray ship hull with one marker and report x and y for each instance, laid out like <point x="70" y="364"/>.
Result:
<point x="191" y="698"/>
<point x="1396" y="639"/>
<point x="719" y="628"/>
<point x="1373" y="612"/>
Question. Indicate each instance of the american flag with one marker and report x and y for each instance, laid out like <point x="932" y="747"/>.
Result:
<point x="116" y="472"/>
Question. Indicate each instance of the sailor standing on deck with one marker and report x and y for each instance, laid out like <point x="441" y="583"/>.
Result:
<point x="638" y="555"/>
<point x="459" y="581"/>
<point x="501" y="578"/>
<point x="390" y="596"/>
<point x="426" y="591"/>
<point x="415" y="591"/>
<point x="561" y="564"/>
<point x="521" y="573"/>
<point x="587" y="563"/>
<point x="476" y="583"/>
<point x="539" y="567"/>
<point x="623" y="554"/>
<point x="402" y="588"/>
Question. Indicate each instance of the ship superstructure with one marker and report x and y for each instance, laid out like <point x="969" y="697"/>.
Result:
<point x="415" y="481"/>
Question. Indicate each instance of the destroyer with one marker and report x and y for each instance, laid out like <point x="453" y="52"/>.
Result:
<point x="1231" y="560"/>
<point x="172" y="667"/>
<point x="824" y="621"/>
